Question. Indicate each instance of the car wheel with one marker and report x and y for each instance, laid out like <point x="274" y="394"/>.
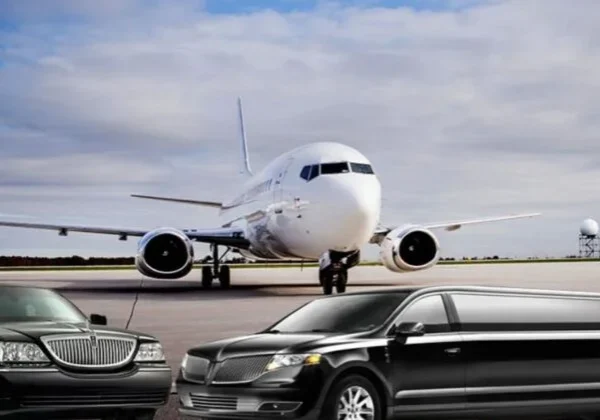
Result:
<point x="353" y="398"/>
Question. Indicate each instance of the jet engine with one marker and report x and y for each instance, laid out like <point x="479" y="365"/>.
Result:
<point x="165" y="253"/>
<point x="409" y="248"/>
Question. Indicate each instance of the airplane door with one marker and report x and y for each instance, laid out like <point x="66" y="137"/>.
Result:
<point x="278" y="195"/>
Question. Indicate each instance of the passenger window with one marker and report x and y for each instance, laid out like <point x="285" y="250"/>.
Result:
<point x="479" y="312"/>
<point x="305" y="173"/>
<point x="334" y="168"/>
<point x="430" y="311"/>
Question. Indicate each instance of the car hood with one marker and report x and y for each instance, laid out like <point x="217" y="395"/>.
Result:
<point x="260" y="344"/>
<point x="35" y="330"/>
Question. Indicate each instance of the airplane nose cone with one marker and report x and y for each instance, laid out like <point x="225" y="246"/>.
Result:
<point x="355" y="214"/>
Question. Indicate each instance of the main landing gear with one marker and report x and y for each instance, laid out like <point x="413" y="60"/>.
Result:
<point x="217" y="271"/>
<point x="333" y="270"/>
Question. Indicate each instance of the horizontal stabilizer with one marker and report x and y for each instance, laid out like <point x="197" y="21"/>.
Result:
<point x="180" y="200"/>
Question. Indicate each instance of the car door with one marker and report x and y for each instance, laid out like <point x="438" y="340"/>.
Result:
<point x="539" y="351"/>
<point x="427" y="371"/>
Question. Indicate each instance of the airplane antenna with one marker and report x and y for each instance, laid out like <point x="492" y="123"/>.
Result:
<point x="244" y="141"/>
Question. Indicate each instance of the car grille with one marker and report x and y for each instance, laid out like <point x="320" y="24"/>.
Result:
<point x="209" y="402"/>
<point x="80" y="351"/>
<point x="241" y="369"/>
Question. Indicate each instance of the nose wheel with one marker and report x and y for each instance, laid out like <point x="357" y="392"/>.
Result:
<point x="334" y="277"/>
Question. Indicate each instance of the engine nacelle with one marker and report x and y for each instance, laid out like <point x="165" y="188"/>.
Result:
<point x="409" y="248"/>
<point x="165" y="253"/>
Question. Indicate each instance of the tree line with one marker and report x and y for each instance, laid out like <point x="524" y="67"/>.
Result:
<point x="76" y="260"/>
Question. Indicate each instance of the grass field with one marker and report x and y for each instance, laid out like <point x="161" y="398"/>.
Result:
<point x="297" y="265"/>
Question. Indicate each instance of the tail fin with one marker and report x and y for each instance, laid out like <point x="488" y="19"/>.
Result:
<point x="247" y="168"/>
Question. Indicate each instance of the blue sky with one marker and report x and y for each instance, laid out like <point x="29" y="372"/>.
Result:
<point x="466" y="109"/>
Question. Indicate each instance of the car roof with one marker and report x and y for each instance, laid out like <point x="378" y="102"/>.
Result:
<point x="425" y="289"/>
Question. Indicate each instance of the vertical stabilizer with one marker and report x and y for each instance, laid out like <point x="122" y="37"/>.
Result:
<point x="247" y="168"/>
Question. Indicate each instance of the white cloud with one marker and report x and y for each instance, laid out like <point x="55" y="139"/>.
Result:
<point x="482" y="111"/>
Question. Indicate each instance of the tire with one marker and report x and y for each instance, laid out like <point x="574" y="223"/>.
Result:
<point x="207" y="277"/>
<point x="327" y="283"/>
<point x="342" y="281"/>
<point x="346" y="387"/>
<point x="225" y="277"/>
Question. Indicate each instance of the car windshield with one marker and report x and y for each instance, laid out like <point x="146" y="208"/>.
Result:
<point x="345" y="314"/>
<point x="22" y="304"/>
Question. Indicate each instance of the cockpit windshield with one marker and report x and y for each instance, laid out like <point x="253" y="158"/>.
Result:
<point x="312" y="171"/>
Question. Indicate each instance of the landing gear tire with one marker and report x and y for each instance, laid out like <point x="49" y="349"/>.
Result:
<point x="207" y="277"/>
<point x="225" y="277"/>
<point x="341" y="281"/>
<point x="327" y="282"/>
<point x="353" y="397"/>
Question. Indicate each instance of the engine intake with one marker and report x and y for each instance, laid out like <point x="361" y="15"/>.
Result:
<point x="409" y="248"/>
<point x="165" y="253"/>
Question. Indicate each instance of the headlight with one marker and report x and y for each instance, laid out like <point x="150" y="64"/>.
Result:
<point x="283" y="360"/>
<point x="22" y="353"/>
<point x="150" y="352"/>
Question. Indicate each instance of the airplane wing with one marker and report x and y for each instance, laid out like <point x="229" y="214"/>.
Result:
<point x="217" y="204"/>
<point x="381" y="231"/>
<point x="228" y="236"/>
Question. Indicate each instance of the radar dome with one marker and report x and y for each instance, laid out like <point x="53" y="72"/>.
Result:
<point x="589" y="227"/>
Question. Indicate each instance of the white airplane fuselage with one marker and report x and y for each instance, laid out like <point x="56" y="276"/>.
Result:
<point x="285" y="216"/>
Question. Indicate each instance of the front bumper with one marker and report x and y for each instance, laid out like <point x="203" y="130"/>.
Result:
<point x="245" y="403"/>
<point x="52" y="392"/>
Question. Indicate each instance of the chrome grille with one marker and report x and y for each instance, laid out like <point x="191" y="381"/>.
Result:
<point x="241" y="369"/>
<point x="212" y="402"/>
<point x="80" y="350"/>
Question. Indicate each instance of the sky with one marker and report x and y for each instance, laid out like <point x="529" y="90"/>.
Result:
<point x="465" y="108"/>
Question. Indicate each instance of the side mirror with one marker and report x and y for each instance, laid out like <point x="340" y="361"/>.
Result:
<point x="98" y="319"/>
<point x="409" y="329"/>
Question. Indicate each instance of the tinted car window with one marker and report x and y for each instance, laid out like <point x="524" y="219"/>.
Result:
<point x="19" y="304"/>
<point x="430" y="311"/>
<point x="479" y="312"/>
<point x="350" y="313"/>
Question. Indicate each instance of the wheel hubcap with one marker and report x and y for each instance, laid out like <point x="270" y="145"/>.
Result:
<point x="356" y="404"/>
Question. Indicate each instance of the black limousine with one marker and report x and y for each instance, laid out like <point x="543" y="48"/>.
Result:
<point x="461" y="351"/>
<point x="57" y="363"/>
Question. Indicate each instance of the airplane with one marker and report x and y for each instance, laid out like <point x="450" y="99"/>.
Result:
<point x="320" y="201"/>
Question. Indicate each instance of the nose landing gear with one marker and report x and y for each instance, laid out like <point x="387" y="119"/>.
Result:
<point x="217" y="271"/>
<point x="333" y="270"/>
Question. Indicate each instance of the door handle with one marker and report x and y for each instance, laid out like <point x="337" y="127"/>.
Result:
<point x="452" y="351"/>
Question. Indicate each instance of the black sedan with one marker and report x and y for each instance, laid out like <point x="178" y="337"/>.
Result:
<point x="57" y="363"/>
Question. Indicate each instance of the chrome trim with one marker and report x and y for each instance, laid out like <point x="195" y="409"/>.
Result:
<point x="434" y="392"/>
<point x="29" y="370"/>
<point x="98" y="335"/>
<point x="501" y="290"/>
<point x="154" y="369"/>
<point x="534" y="388"/>
<point x="531" y="335"/>
<point x="445" y="392"/>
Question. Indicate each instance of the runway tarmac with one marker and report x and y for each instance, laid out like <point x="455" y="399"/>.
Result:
<point x="181" y="314"/>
